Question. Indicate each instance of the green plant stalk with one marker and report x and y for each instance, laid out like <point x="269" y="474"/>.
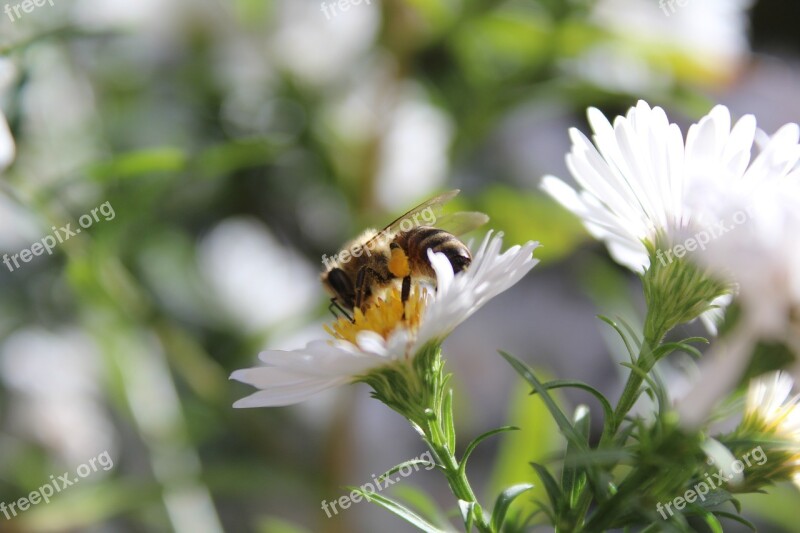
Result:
<point x="653" y="335"/>
<point x="419" y="390"/>
<point x="456" y="476"/>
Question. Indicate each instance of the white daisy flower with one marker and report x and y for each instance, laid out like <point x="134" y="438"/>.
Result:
<point x="635" y="176"/>
<point x="381" y="336"/>
<point x="760" y="249"/>
<point x="759" y="252"/>
<point x="772" y="410"/>
<point x="638" y="182"/>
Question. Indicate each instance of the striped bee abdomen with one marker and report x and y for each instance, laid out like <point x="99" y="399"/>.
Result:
<point x="418" y="241"/>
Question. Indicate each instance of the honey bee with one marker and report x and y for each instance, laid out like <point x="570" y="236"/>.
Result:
<point x="376" y="260"/>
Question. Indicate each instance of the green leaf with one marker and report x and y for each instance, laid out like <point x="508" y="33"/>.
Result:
<point x="395" y="469"/>
<point x="736" y="518"/>
<point x="573" y="479"/>
<point x="551" y="486"/>
<point x="504" y="501"/>
<point x="631" y="332"/>
<point x="608" y="411"/>
<point x="537" y="440"/>
<point x="131" y="164"/>
<point x="561" y="419"/>
<point x="421" y="502"/>
<point x="467" y="514"/>
<point x="399" y="509"/>
<point x="226" y="158"/>
<point x="712" y="521"/>
<point x="631" y="352"/>
<point x="448" y="425"/>
<point x="477" y="440"/>
<point x="669" y="347"/>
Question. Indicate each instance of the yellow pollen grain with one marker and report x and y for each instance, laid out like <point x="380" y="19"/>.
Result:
<point x="382" y="317"/>
<point x="398" y="263"/>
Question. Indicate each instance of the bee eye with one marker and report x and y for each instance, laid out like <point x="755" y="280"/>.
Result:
<point x="342" y="285"/>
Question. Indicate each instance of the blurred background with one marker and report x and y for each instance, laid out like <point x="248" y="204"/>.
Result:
<point x="239" y="140"/>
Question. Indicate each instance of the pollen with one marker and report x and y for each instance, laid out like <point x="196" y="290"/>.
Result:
<point x="398" y="263"/>
<point x="383" y="316"/>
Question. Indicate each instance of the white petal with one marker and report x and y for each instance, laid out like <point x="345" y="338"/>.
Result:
<point x="281" y="396"/>
<point x="489" y="274"/>
<point x="7" y="148"/>
<point x="444" y="270"/>
<point x="324" y="359"/>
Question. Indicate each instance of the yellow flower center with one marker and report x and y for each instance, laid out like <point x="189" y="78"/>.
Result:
<point x="383" y="316"/>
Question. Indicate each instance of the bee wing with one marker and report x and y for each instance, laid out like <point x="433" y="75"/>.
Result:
<point x="434" y="204"/>
<point x="461" y="222"/>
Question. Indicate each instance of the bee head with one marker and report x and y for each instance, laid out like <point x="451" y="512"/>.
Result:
<point x="340" y="286"/>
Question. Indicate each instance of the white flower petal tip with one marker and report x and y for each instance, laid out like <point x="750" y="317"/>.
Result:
<point x="7" y="147"/>
<point x="388" y="332"/>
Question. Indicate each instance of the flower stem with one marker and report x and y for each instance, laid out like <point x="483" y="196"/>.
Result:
<point x="653" y="335"/>
<point x="456" y="475"/>
<point x="419" y="391"/>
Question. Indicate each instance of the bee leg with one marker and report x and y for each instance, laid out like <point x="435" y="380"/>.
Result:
<point x="362" y="283"/>
<point x="335" y="305"/>
<point x="361" y="286"/>
<point x="405" y="293"/>
<point x="364" y="276"/>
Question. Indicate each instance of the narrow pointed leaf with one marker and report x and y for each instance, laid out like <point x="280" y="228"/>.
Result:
<point x="551" y="486"/>
<point x="608" y="411"/>
<point x="561" y="419"/>
<point x="504" y="501"/>
<point x="480" y="438"/>
<point x="411" y="463"/>
<point x="399" y="509"/>
<point x="573" y="478"/>
<point x="448" y="425"/>
<point x="631" y="353"/>
<point x="736" y="518"/>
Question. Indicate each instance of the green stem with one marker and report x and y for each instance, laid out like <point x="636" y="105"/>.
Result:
<point x="653" y="335"/>
<point x="456" y="475"/>
<point x="419" y="391"/>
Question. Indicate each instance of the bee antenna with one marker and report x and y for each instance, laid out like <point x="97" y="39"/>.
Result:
<point x="334" y="306"/>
